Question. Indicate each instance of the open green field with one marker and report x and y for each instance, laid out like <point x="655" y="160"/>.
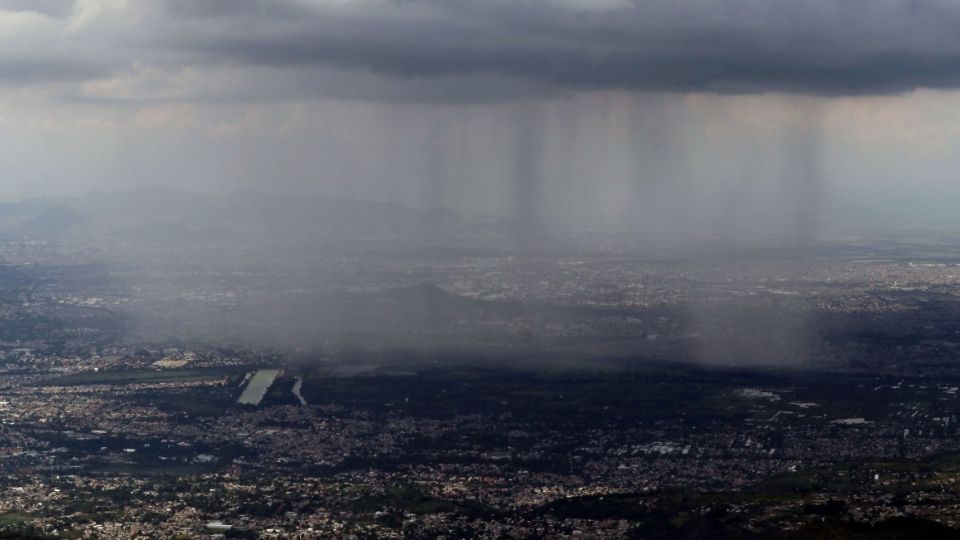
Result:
<point x="135" y="377"/>
<point x="13" y="518"/>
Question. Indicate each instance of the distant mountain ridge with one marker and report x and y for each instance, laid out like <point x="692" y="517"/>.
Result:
<point x="167" y="214"/>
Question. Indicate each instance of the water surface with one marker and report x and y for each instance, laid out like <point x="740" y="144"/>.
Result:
<point x="258" y="386"/>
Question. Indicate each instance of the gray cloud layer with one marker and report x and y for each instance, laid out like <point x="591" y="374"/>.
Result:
<point x="51" y="8"/>
<point x="835" y="47"/>
<point x="726" y="46"/>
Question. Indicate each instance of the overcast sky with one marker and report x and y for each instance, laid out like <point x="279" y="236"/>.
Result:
<point x="510" y="106"/>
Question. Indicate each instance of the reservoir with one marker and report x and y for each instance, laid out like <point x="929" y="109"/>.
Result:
<point x="258" y="386"/>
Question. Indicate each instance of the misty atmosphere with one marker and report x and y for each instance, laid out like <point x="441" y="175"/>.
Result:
<point x="479" y="269"/>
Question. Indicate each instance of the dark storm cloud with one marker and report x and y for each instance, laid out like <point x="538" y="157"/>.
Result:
<point x="532" y="46"/>
<point x="837" y="47"/>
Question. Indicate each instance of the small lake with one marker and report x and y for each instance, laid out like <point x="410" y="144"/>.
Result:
<point x="258" y="386"/>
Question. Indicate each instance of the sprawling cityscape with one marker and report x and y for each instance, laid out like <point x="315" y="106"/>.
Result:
<point x="589" y="390"/>
<point x="479" y="269"/>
